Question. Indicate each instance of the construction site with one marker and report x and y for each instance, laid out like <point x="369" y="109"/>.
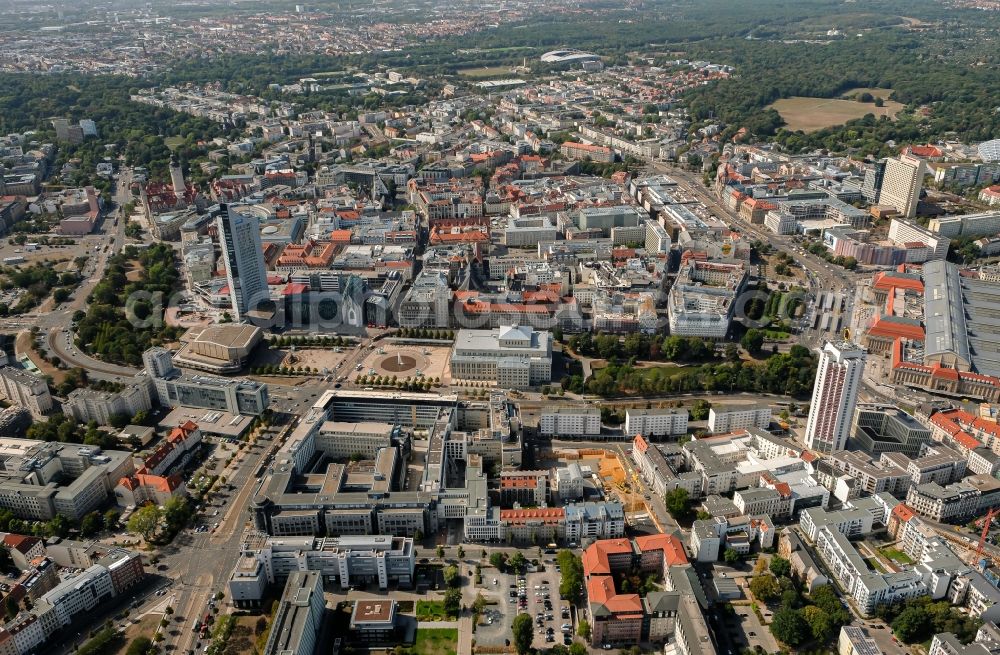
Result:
<point x="615" y="478"/>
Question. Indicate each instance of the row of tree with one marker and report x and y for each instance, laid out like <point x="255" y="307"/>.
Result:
<point x="789" y="374"/>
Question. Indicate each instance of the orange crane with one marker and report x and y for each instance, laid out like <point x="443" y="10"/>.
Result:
<point x="986" y="530"/>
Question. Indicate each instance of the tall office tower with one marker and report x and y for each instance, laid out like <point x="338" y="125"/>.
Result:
<point x="874" y="177"/>
<point x="904" y="177"/>
<point x="246" y="272"/>
<point x="177" y="178"/>
<point x="835" y="394"/>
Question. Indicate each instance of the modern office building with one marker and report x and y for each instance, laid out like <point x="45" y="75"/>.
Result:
<point x="346" y="561"/>
<point x="702" y="300"/>
<point x="40" y="479"/>
<point x="904" y="176"/>
<point x="428" y="303"/>
<point x="874" y="177"/>
<point x="246" y="270"/>
<point x="881" y="429"/>
<point x="515" y="357"/>
<point x="233" y="395"/>
<point x="299" y="619"/>
<point x="376" y="497"/>
<point x="835" y="394"/>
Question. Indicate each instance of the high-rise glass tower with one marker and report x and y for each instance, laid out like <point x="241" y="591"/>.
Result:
<point x="246" y="271"/>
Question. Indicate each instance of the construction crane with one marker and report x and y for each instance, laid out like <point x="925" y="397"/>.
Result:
<point x="986" y="530"/>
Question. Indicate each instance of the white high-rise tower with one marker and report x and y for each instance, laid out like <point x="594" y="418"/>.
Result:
<point x="901" y="184"/>
<point x="246" y="272"/>
<point x="835" y="394"/>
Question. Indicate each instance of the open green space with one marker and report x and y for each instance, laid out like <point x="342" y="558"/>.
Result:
<point x="173" y="142"/>
<point x="874" y="564"/>
<point x="430" y="610"/>
<point x="812" y="114"/>
<point x="896" y="555"/>
<point x="486" y="71"/>
<point x="436" y="641"/>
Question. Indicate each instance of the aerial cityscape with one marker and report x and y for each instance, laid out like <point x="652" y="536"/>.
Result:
<point x="414" y="327"/>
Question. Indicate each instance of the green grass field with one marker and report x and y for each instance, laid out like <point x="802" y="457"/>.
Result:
<point x="490" y="71"/>
<point x="430" y="610"/>
<point x="897" y="555"/>
<point x="811" y="114"/>
<point x="438" y="641"/>
<point x="173" y="142"/>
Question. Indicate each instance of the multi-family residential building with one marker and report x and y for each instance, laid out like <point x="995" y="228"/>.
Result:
<point x="660" y="463"/>
<point x="731" y="419"/>
<point x="850" y="473"/>
<point x="835" y="393"/>
<point x="935" y="463"/>
<point x="588" y="521"/>
<point x="956" y="501"/>
<point x="987" y="642"/>
<point x="22" y="388"/>
<point x="848" y="522"/>
<point x="764" y="500"/>
<point x="87" y="405"/>
<point x="737" y="461"/>
<point x="576" y="150"/>
<point x="854" y="640"/>
<point x="617" y="617"/>
<point x="710" y="537"/>
<point x="868" y="590"/>
<point x="656" y="422"/>
<point x="528" y="488"/>
<point x="570" y="422"/>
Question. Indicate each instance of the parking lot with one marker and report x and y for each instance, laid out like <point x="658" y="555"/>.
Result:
<point x="495" y="624"/>
<point x="538" y="595"/>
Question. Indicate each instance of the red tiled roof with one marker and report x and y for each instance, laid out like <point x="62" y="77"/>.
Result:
<point x="20" y="542"/>
<point x="902" y="512"/>
<point x="892" y="329"/>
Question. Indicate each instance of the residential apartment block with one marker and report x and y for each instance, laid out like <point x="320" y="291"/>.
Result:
<point x="570" y="422"/>
<point x="732" y="419"/>
<point x="22" y="388"/>
<point x="656" y="422"/>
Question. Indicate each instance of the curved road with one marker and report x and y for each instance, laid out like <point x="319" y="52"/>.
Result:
<point x="60" y="342"/>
